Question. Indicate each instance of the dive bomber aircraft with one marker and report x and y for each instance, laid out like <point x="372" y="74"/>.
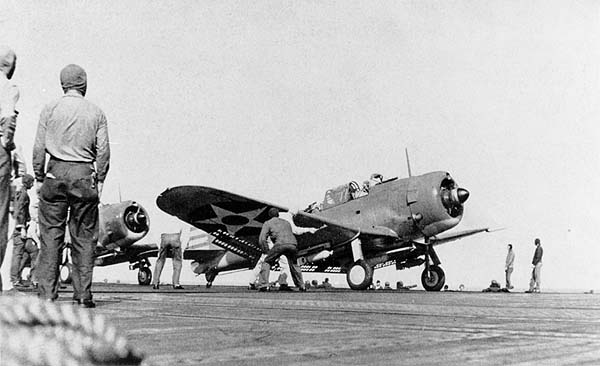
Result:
<point x="121" y="226"/>
<point x="394" y="222"/>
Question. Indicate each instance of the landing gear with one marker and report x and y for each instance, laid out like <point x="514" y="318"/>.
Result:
<point x="144" y="272"/>
<point x="433" y="278"/>
<point x="360" y="275"/>
<point x="210" y="276"/>
<point x="144" y="276"/>
<point x="66" y="273"/>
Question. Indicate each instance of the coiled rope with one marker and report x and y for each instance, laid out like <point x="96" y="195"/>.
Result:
<point x="36" y="332"/>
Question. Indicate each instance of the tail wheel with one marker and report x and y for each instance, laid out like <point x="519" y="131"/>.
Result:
<point x="433" y="279"/>
<point x="360" y="275"/>
<point x="144" y="276"/>
<point x="210" y="275"/>
<point x="66" y="273"/>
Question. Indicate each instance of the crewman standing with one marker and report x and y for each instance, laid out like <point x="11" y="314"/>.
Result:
<point x="508" y="268"/>
<point x="536" y="273"/>
<point x="9" y="96"/>
<point x="22" y="218"/>
<point x="169" y="243"/>
<point x="74" y="133"/>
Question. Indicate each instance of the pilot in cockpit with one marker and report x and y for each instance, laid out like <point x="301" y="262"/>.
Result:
<point x="355" y="190"/>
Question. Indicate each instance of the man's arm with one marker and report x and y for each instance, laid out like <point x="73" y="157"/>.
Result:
<point x="262" y="238"/>
<point x="102" y="149"/>
<point x="19" y="166"/>
<point x="22" y="204"/>
<point x="287" y="216"/>
<point x="8" y="116"/>
<point x="39" y="147"/>
<point x="537" y="256"/>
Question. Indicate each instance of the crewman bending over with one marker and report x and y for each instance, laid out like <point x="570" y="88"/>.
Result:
<point x="284" y="243"/>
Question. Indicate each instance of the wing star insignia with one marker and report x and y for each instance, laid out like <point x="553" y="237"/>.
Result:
<point x="235" y="221"/>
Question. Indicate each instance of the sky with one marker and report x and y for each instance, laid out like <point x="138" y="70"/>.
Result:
<point x="281" y="100"/>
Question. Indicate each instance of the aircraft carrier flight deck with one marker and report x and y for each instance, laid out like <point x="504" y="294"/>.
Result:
<point x="233" y="325"/>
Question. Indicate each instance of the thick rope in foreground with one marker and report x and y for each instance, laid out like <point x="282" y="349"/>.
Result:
<point x="35" y="332"/>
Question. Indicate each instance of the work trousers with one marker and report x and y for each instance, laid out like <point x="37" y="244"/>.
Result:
<point x="283" y="266"/>
<point x="69" y="196"/>
<point x="17" y="256"/>
<point x="508" y="271"/>
<point x="160" y="262"/>
<point x="291" y="253"/>
<point x="536" y="277"/>
<point x="4" y="202"/>
<point x="30" y="255"/>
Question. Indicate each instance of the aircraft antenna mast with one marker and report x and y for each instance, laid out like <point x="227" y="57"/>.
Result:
<point x="408" y="162"/>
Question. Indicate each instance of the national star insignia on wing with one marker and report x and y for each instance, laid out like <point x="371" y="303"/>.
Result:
<point x="234" y="221"/>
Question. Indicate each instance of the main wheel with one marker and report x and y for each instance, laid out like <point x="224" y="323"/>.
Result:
<point x="66" y="271"/>
<point x="144" y="276"/>
<point x="360" y="275"/>
<point x="434" y="279"/>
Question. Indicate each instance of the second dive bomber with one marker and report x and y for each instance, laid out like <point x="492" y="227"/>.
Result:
<point x="395" y="222"/>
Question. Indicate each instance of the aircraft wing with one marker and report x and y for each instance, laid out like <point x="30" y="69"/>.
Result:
<point x="131" y="254"/>
<point x="236" y="221"/>
<point x="442" y="239"/>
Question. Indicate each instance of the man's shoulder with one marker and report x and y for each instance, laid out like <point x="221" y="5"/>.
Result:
<point x="52" y="104"/>
<point x="92" y="107"/>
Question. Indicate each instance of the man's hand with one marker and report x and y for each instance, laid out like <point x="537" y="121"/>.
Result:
<point x="100" y="187"/>
<point x="23" y="233"/>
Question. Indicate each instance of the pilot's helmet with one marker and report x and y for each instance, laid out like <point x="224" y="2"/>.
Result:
<point x="354" y="187"/>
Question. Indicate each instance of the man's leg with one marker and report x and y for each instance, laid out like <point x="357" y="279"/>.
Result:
<point x="285" y="266"/>
<point x="256" y="271"/>
<point x="17" y="257"/>
<point x="83" y="227"/>
<point x="538" y="276"/>
<point x="273" y="254"/>
<point x="52" y="217"/>
<point x="4" y="203"/>
<point x="33" y="251"/>
<point x="160" y="263"/>
<point x="532" y="280"/>
<point x="263" y="278"/>
<point x="292" y="255"/>
<point x="176" y="265"/>
<point x="508" y="274"/>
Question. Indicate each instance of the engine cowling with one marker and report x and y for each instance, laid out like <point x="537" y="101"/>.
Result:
<point x="122" y="224"/>
<point x="436" y="202"/>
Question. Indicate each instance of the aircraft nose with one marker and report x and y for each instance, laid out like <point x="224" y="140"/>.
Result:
<point x="462" y="194"/>
<point x="141" y="218"/>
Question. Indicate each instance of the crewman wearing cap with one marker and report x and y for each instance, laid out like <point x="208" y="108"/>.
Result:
<point x="74" y="134"/>
<point x="9" y="96"/>
<point x="22" y="218"/>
